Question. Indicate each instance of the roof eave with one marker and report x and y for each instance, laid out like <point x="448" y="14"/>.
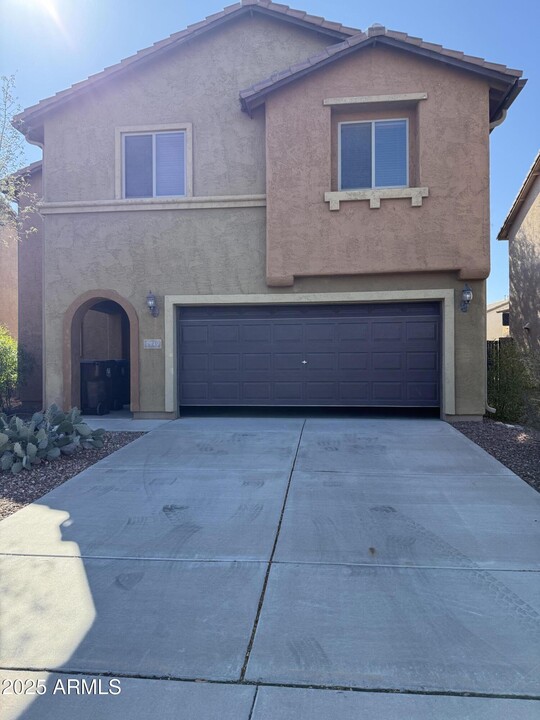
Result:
<point x="497" y="79"/>
<point x="521" y="197"/>
<point x="31" y="117"/>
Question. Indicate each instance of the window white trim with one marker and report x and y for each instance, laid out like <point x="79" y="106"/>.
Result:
<point x="375" y="195"/>
<point x="367" y="99"/>
<point x="121" y="132"/>
<point x="372" y="122"/>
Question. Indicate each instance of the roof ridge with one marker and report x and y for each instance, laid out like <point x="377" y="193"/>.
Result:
<point x="267" y="5"/>
<point x="373" y="33"/>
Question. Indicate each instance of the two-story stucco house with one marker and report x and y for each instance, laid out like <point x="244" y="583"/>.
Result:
<point x="522" y="230"/>
<point x="307" y="202"/>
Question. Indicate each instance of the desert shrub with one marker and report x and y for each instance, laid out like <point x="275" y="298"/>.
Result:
<point x="46" y="436"/>
<point x="532" y="398"/>
<point x="509" y="380"/>
<point x="15" y="366"/>
<point x="8" y="367"/>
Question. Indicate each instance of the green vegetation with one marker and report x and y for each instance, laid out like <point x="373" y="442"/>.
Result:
<point x="46" y="436"/>
<point x="510" y="381"/>
<point x="15" y="365"/>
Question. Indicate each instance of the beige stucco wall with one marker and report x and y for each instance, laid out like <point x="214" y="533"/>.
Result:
<point x="200" y="251"/>
<point x="524" y="252"/>
<point x="450" y="231"/>
<point x="8" y="278"/>
<point x="218" y="252"/>
<point x="200" y="84"/>
<point x="494" y="327"/>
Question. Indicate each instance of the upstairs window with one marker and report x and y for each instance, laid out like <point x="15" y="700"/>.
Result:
<point x="373" y="154"/>
<point x="154" y="164"/>
<point x="506" y="319"/>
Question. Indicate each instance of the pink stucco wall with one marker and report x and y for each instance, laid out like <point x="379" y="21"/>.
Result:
<point x="449" y="153"/>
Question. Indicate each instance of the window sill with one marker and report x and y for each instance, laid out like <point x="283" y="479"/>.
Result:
<point x="376" y="195"/>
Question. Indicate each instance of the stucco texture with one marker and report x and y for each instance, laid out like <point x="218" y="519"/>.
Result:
<point x="198" y="83"/>
<point x="450" y="231"/>
<point x="524" y="252"/>
<point x="223" y="251"/>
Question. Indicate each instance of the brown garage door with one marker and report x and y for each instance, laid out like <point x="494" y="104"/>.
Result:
<point x="385" y="354"/>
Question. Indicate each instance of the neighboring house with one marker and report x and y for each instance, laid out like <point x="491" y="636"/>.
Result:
<point x="522" y="230"/>
<point x="498" y="319"/>
<point x="306" y="201"/>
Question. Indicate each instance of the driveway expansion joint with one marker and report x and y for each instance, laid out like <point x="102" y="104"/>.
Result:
<point x="267" y="575"/>
<point x="397" y="566"/>
<point x="264" y="684"/>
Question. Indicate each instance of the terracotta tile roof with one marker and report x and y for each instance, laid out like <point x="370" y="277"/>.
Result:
<point x="521" y="197"/>
<point x="254" y="95"/>
<point x="276" y="10"/>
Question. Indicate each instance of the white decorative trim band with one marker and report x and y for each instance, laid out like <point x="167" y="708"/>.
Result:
<point x="366" y="99"/>
<point x="191" y="203"/>
<point x="376" y="195"/>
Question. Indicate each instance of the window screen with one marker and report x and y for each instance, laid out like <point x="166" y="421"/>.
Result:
<point x="138" y="166"/>
<point x="373" y="154"/>
<point x="390" y="153"/>
<point x="355" y="156"/>
<point x="170" y="164"/>
<point x="154" y="165"/>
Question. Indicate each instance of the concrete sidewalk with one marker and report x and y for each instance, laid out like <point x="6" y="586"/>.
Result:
<point x="361" y="558"/>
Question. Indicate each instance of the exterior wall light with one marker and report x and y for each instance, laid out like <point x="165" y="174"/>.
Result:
<point x="151" y="304"/>
<point x="466" y="297"/>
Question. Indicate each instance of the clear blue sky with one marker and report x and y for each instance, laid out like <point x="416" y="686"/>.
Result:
<point x="51" y="44"/>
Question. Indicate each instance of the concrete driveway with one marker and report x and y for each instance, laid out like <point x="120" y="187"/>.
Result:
<point x="309" y="569"/>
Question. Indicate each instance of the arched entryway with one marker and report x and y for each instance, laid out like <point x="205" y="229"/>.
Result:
<point x="101" y="326"/>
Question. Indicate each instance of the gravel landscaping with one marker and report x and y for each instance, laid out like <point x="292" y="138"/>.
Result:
<point x="514" y="446"/>
<point x="16" y="491"/>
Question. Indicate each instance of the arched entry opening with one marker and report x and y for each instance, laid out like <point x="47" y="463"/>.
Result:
<point x="101" y="353"/>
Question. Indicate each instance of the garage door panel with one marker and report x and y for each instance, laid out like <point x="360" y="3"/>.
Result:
<point x="194" y="391"/>
<point x="426" y="360"/>
<point x="256" y="333"/>
<point x="386" y="361"/>
<point x="424" y="330"/>
<point x="228" y="391"/>
<point x="321" y="392"/>
<point x="352" y="331"/>
<point x="320" y="332"/>
<point x="378" y="354"/>
<point x="225" y="362"/>
<point x="353" y="361"/>
<point x="224" y="333"/>
<point x="422" y="391"/>
<point x="386" y="331"/>
<point x="257" y="362"/>
<point x="288" y="332"/>
<point x="194" y="334"/>
<point x="289" y="390"/>
<point x="386" y="391"/>
<point x="260" y="391"/>
<point x="194" y="361"/>
<point x="354" y="393"/>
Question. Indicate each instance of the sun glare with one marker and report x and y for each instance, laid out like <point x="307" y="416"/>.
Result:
<point x="49" y="8"/>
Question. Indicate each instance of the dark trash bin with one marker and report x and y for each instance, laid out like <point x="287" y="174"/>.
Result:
<point x="95" y="390"/>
